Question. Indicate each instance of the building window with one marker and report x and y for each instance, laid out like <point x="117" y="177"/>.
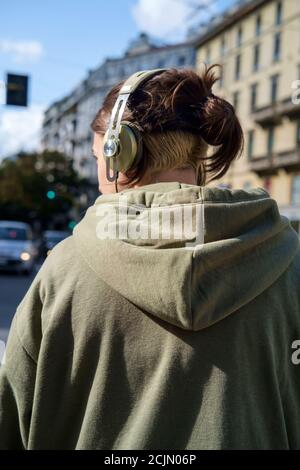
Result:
<point x="295" y="199"/>
<point x="256" y="57"/>
<point x="207" y="55"/>
<point x="56" y="139"/>
<point x="278" y="19"/>
<point x="239" y="37"/>
<point x="277" y="47"/>
<point x="181" y="61"/>
<point x="236" y="99"/>
<point x="274" y="88"/>
<point x="270" y="140"/>
<point x="250" y="144"/>
<point x="222" y="76"/>
<point x="122" y="72"/>
<point x="237" y="71"/>
<point x="223" y="46"/>
<point x="258" y="25"/>
<point x="253" y="97"/>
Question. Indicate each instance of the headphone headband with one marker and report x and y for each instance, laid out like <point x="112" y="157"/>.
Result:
<point x="130" y="85"/>
<point x="135" y="80"/>
<point x="121" y="143"/>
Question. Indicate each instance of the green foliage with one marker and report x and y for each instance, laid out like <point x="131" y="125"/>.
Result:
<point x="25" y="182"/>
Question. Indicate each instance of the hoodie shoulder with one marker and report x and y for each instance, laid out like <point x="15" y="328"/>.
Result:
<point x="62" y="270"/>
<point x="61" y="273"/>
<point x="61" y="258"/>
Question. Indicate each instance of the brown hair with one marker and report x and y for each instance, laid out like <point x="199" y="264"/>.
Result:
<point x="178" y="117"/>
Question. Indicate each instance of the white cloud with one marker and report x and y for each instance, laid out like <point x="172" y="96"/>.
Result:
<point x="20" y="129"/>
<point x="169" y="19"/>
<point x="22" y="51"/>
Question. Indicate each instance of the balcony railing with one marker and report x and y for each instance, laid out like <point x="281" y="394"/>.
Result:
<point x="288" y="160"/>
<point x="270" y="164"/>
<point x="272" y="114"/>
<point x="262" y="165"/>
<point x="268" y="115"/>
<point x="290" y="109"/>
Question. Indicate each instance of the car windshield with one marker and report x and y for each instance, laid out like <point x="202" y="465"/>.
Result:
<point x="13" y="233"/>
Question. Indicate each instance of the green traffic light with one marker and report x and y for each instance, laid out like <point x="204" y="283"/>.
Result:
<point x="51" y="194"/>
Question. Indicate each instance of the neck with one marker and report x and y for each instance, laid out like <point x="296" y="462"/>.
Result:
<point x="180" y="175"/>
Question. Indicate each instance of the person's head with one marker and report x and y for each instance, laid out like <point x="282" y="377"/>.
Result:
<point x="179" y="119"/>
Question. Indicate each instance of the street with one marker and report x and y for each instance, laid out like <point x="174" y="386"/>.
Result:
<point x="12" y="289"/>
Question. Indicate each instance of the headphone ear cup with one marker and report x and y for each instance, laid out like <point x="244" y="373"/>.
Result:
<point x="130" y="142"/>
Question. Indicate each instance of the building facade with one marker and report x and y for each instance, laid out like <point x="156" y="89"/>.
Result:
<point x="67" y="122"/>
<point x="258" y="44"/>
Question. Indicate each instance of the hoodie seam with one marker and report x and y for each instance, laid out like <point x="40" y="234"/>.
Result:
<point x="235" y="201"/>
<point x="201" y="199"/>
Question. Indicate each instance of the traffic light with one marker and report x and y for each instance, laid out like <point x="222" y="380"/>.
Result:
<point x="16" y="90"/>
<point x="71" y="224"/>
<point x="51" y="194"/>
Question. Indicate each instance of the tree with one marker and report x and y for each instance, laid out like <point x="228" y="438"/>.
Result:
<point x="38" y="186"/>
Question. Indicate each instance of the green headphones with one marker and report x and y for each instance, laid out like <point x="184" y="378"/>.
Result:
<point x="122" y="146"/>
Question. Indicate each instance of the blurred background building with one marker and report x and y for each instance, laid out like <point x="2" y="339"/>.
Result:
<point x="257" y="42"/>
<point x="66" y="126"/>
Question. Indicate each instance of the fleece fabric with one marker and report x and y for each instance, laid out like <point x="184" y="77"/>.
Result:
<point x="170" y="319"/>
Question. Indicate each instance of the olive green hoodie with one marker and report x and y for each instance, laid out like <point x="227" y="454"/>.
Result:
<point x="170" y="325"/>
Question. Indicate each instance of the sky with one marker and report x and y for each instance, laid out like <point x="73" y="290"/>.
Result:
<point x="56" y="42"/>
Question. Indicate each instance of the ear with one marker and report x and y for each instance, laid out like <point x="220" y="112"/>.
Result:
<point x="138" y="137"/>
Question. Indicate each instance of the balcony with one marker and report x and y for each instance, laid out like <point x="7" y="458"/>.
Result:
<point x="262" y="166"/>
<point x="290" y="109"/>
<point x="290" y="161"/>
<point x="266" y="116"/>
<point x="270" y="164"/>
<point x="272" y="114"/>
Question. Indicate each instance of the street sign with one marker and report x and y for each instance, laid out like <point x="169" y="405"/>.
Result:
<point x="16" y="90"/>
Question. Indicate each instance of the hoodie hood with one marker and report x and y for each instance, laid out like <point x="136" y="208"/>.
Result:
<point x="189" y="255"/>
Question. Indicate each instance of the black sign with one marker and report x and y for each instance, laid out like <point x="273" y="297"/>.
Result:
<point x="17" y="90"/>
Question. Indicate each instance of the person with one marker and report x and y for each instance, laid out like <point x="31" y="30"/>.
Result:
<point x="170" y="319"/>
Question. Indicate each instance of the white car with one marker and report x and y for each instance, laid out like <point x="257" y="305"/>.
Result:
<point x="17" y="249"/>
